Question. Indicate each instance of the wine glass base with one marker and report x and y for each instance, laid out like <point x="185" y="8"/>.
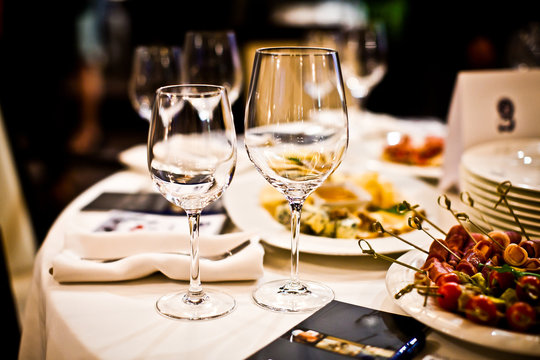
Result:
<point x="212" y="304"/>
<point x="285" y="296"/>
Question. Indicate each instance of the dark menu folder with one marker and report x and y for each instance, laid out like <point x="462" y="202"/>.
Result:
<point x="152" y="203"/>
<point x="340" y="330"/>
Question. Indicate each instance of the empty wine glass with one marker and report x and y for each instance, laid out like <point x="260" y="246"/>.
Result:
<point x="212" y="57"/>
<point x="363" y="55"/>
<point x="192" y="158"/>
<point x="153" y="67"/>
<point x="296" y="136"/>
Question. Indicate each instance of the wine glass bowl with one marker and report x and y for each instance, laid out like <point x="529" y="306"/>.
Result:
<point x="153" y="67"/>
<point x="363" y="55"/>
<point x="212" y="57"/>
<point x="191" y="160"/>
<point x="296" y="134"/>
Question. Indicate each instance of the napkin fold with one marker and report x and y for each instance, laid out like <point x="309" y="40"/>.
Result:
<point x="143" y="253"/>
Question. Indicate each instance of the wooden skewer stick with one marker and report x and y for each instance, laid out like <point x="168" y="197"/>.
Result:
<point x="466" y="218"/>
<point x="448" y="206"/>
<point x="378" y="226"/>
<point x="415" y="223"/>
<point x="466" y="198"/>
<point x="503" y="189"/>
<point x="406" y="206"/>
<point x="375" y="255"/>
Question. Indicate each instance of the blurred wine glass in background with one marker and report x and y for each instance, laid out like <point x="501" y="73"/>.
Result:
<point x="153" y="67"/>
<point x="362" y="51"/>
<point x="363" y="58"/>
<point x="212" y="57"/>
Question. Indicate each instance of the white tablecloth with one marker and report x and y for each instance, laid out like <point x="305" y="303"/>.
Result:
<point x="119" y="320"/>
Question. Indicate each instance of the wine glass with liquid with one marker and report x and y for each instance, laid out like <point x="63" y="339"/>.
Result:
<point x="153" y="67"/>
<point x="191" y="159"/>
<point x="296" y="135"/>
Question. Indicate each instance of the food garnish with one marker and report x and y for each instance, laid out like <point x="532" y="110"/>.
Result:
<point x="491" y="278"/>
<point x="405" y="152"/>
<point x="346" y="207"/>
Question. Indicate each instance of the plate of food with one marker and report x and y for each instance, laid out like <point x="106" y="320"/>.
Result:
<point x="336" y="215"/>
<point x="482" y="304"/>
<point x="407" y="153"/>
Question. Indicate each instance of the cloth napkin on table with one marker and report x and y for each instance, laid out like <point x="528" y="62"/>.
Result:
<point x="145" y="252"/>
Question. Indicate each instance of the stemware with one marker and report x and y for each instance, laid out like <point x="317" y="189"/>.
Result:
<point x="363" y="55"/>
<point x="153" y="66"/>
<point x="212" y="57"/>
<point x="296" y="134"/>
<point x="191" y="159"/>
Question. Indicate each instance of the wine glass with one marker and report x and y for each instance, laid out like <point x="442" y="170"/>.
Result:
<point x="212" y="57"/>
<point x="192" y="158"/>
<point x="153" y="67"/>
<point x="296" y="136"/>
<point x="363" y="54"/>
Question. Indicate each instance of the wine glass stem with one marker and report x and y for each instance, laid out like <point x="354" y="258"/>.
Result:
<point x="296" y="211"/>
<point x="195" y="292"/>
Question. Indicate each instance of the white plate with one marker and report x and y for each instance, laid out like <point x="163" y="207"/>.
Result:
<point x="499" y="224"/>
<point x="486" y="204"/>
<point x="518" y="197"/>
<point x="135" y="158"/>
<point x="516" y="193"/>
<point x="430" y="172"/>
<point x="242" y="203"/>
<point x="516" y="160"/>
<point x="447" y="322"/>
<point x="376" y="140"/>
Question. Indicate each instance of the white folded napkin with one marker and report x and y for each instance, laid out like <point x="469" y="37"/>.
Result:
<point x="147" y="252"/>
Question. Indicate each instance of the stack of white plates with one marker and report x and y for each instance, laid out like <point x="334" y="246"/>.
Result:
<point x="485" y="166"/>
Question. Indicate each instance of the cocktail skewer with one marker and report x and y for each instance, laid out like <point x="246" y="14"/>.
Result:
<point x="415" y="223"/>
<point x="448" y="206"/>
<point x="466" y="198"/>
<point x="503" y="189"/>
<point x="466" y="218"/>
<point x="378" y="227"/>
<point x="375" y="255"/>
<point x="406" y="206"/>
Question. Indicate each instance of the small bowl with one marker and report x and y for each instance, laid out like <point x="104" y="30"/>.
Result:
<point x="343" y="194"/>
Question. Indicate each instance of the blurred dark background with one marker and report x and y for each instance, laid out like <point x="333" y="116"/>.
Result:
<point x="65" y="67"/>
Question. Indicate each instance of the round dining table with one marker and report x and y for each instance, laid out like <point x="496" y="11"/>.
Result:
<point x="119" y="320"/>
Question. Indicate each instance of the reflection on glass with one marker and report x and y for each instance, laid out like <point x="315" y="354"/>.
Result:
<point x="192" y="158"/>
<point x="296" y="136"/>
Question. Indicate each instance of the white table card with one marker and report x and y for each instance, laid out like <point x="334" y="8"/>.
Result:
<point x="486" y="106"/>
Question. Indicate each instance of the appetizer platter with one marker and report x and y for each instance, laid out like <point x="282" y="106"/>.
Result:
<point x="407" y="153"/>
<point x="479" y="286"/>
<point x="330" y="227"/>
<point x="405" y="146"/>
<point x="451" y="323"/>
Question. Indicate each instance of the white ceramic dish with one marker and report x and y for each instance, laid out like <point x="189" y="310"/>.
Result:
<point x="486" y="204"/>
<point x="518" y="194"/>
<point x="374" y="148"/>
<point x="449" y="323"/>
<point x="525" y="204"/>
<point x="243" y="206"/>
<point x="515" y="160"/>
<point x="135" y="158"/>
